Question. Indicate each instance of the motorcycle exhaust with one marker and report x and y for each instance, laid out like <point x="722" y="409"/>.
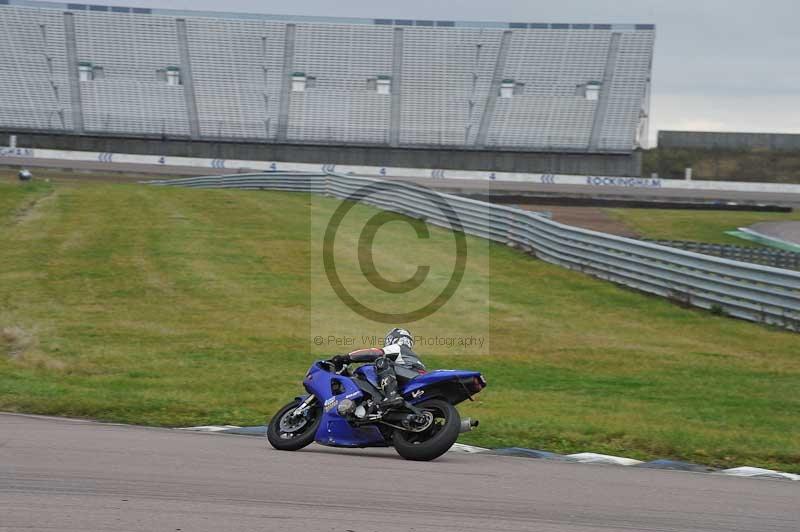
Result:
<point x="468" y="424"/>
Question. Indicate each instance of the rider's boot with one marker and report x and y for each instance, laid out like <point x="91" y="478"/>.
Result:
<point x="388" y="381"/>
<point x="392" y="400"/>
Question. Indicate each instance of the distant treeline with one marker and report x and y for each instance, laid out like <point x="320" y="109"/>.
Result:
<point x="724" y="165"/>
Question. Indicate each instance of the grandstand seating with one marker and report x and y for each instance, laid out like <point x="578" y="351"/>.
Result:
<point x="130" y="49"/>
<point x="444" y="78"/>
<point x="34" y="89"/>
<point x="342" y="58"/>
<point x="236" y="84"/>
<point x="443" y="72"/>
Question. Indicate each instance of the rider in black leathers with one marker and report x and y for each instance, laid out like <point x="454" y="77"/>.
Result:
<point x="396" y="361"/>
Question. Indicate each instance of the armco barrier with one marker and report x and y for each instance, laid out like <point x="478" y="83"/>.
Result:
<point x="748" y="291"/>
<point x="294" y="182"/>
<point x="777" y="258"/>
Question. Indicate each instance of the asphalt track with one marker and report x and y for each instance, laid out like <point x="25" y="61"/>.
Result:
<point x="68" y="475"/>
<point x="531" y="191"/>
<point x="788" y="231"/>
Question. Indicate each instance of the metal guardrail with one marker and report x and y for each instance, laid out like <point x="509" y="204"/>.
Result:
<point x="293" y="182"/>
<point x="752" y="292"/>
<point x="776" y="258"/>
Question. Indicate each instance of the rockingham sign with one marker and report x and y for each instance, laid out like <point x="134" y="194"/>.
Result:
<point x="636" y="182"/>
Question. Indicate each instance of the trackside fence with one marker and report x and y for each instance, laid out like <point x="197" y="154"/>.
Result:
<point x="748" y="291"/>
<point x="777" y="258"/>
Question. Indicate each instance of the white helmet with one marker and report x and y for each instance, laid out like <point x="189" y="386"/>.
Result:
<point x="399" y="337"/>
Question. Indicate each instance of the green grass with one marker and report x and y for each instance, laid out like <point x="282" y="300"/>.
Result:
<point x="698" y="226"/>
<point x="183" y="307"/>
<point x="16" y="200"/>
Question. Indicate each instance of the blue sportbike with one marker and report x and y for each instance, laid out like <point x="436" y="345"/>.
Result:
<point x="342" y="409"/>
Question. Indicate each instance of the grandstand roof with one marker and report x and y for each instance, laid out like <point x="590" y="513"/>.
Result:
<point x="333" y="20"/>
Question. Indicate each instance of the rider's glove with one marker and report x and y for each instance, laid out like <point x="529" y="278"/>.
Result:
<point x="340" y="360"/>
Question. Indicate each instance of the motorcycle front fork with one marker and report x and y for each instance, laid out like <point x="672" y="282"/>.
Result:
<point x="304" y="406"/>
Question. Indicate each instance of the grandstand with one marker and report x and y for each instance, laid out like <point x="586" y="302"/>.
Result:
<point x="533" y="87"/>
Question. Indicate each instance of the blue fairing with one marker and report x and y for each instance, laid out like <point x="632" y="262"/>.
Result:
<point x="369" y="373"/>
<point x="335" y="430"/>
<point x="423" y="381"/>
<point x="436" y="377"/>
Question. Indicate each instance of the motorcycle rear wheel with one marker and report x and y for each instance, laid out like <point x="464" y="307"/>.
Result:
<point x="287" y="434"/>
<point x="436" y="440"/>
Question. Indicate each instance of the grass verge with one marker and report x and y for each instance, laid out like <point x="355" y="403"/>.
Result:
<point x="697" y="226"/>
<point x="185" y="307"/>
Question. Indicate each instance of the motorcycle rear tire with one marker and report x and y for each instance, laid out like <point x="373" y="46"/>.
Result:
<point x="430" y="449"/>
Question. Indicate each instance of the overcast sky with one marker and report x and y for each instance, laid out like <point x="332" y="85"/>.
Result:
<point x="720" y="65"/>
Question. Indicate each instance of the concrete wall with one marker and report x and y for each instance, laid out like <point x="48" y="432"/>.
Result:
<point x="628" y="165"/>
<point x="700" y="140"/>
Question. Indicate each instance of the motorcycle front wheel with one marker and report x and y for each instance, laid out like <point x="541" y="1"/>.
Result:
<point x="436" y="439"/>
<point x="288" y="432"/>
